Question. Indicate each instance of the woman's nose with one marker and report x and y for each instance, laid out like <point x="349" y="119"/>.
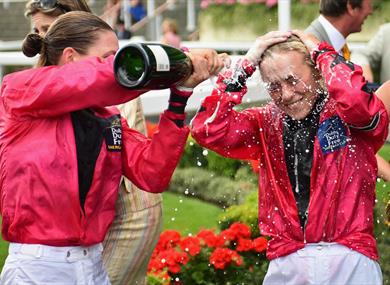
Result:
<point x="287" y="94"/>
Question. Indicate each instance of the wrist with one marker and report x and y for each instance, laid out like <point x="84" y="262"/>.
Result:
<point x="323" y="47"/>
<point x="178" y="99"/>
<point x="181" y="90"/>
<point x="177" y="119"/>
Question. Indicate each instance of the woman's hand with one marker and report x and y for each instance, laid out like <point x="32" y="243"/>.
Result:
<point x="255" y="53"/>
<point x="309" y="40"/>
<point x="205" y="63"/>
<point x="216" y="62"/>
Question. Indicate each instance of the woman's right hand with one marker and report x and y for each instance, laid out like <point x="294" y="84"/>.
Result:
<point x="205" y="63"/>
<point x="200" y="71"/>
<point x="255" y="53"/>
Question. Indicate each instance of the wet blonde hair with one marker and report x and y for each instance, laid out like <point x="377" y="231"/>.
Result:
<point x="293" y="43"/>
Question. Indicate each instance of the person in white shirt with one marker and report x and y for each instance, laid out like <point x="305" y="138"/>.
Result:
<point x="338" y="19"/>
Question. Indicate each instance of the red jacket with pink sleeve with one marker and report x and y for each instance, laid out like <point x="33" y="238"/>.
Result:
<point x="62" y="153"/>
<point x="352" y="127"/>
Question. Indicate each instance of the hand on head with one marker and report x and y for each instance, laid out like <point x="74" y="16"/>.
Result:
<point x="310" y="41"/>
<point x="255" y="53"/>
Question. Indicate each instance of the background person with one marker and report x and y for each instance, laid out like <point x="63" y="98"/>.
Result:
<point x="315" y="200"/>
<point x="338" y="19"/>
<point x="63" y="151"/>
<point x="137" y="11"/>
<point x="376" y="55"/>
<point x="170" y="33"/>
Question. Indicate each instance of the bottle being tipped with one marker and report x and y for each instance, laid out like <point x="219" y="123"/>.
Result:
<point x="146" y="66"/>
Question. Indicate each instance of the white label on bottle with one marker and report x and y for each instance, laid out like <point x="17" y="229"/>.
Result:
<point x="162" y="59"/>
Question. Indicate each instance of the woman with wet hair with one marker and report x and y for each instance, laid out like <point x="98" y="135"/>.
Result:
<point x="63" y="152"/>
<point x="315" y="143"/>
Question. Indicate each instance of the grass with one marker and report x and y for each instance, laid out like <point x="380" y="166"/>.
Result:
<point x="188" y="215"/>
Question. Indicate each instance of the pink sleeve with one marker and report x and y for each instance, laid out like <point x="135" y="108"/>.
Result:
<point x="356" y="105"/>
<point x="56" y="90"/>
<point x="219" y="127"/>
<point x="150" y="163"/>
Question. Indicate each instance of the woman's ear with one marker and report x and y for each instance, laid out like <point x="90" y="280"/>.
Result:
<point x="69" y="54"/>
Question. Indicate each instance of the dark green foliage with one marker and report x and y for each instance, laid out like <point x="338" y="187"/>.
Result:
<point x="245" y="213"/>
<point x="197" y="156"/>
<point x="205" y="185"/>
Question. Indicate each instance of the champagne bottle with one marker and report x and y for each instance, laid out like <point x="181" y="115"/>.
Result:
<point x="146" y="66"/>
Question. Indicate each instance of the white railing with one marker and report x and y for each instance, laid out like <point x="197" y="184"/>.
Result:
<point x="231" y="47"/>
<point x="155" y="102"/>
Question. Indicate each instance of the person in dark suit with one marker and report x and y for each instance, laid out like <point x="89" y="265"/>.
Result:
<point x="338" y="19"/>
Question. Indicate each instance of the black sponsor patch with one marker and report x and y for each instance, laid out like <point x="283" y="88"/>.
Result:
<point x="113" y="134"/>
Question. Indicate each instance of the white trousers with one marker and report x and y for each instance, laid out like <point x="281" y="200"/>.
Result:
<point x="323" y="263"/>
<point x="36" y="264"/>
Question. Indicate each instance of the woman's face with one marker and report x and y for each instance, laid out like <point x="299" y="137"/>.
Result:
<point x="106" y="45"/>
<point x="41" y="22"/>
<point x="290" y="83"/>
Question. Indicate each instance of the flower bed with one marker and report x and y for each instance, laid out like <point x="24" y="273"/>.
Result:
<point x="229" y="257"/>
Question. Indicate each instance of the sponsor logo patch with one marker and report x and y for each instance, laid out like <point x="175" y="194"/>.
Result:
<point x="332" y="135"/>
<point x="113" y="135"/>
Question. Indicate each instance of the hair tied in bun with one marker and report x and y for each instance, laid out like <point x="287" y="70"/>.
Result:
<point x="32" y="45"/>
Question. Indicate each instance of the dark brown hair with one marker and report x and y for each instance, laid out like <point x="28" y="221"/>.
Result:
<point x="335" y="8"/>
<point x="62" y="7"/>
<point x="79" y="30"/>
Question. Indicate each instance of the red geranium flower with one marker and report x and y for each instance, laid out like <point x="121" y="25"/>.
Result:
<point x="190" y="245"/>
<point x="172" y="259"/>
<point x="221" y="257"/>
<point x="168" y="239"/>
<point x="151" y="128"/>
<point x="244" y="244"/>
<point x="225" y="237"/>
<point x="260" y="244"/>
<point x="208" y="236"/>
<point x="240" y="230"/>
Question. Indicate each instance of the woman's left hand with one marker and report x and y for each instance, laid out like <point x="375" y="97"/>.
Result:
<point x="200" y="71"/>
<point x="216" y="62"/>
<point x="310" y="41"/>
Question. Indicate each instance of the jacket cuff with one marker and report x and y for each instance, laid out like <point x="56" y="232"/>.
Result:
<point x="323" y="47"/>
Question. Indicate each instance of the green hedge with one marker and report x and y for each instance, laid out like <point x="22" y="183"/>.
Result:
<point x="246" y="213"/>
<point x="197" y="156"/>
<point x="205" y="185"/>
<point x="246" y="22"/>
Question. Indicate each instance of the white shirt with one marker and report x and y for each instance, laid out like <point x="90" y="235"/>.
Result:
<point x="337" y="40"/>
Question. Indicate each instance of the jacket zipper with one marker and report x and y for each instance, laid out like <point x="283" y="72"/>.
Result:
<point x="297" y="187"/>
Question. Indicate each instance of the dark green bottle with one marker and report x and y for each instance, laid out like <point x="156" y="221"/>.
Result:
<point x="148" y="66"/>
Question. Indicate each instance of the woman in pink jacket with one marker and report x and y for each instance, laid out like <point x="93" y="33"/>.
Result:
<point x="63" y="151"/>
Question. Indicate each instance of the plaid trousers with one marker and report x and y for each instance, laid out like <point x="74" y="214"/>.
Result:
<point x="135" y="230"/>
